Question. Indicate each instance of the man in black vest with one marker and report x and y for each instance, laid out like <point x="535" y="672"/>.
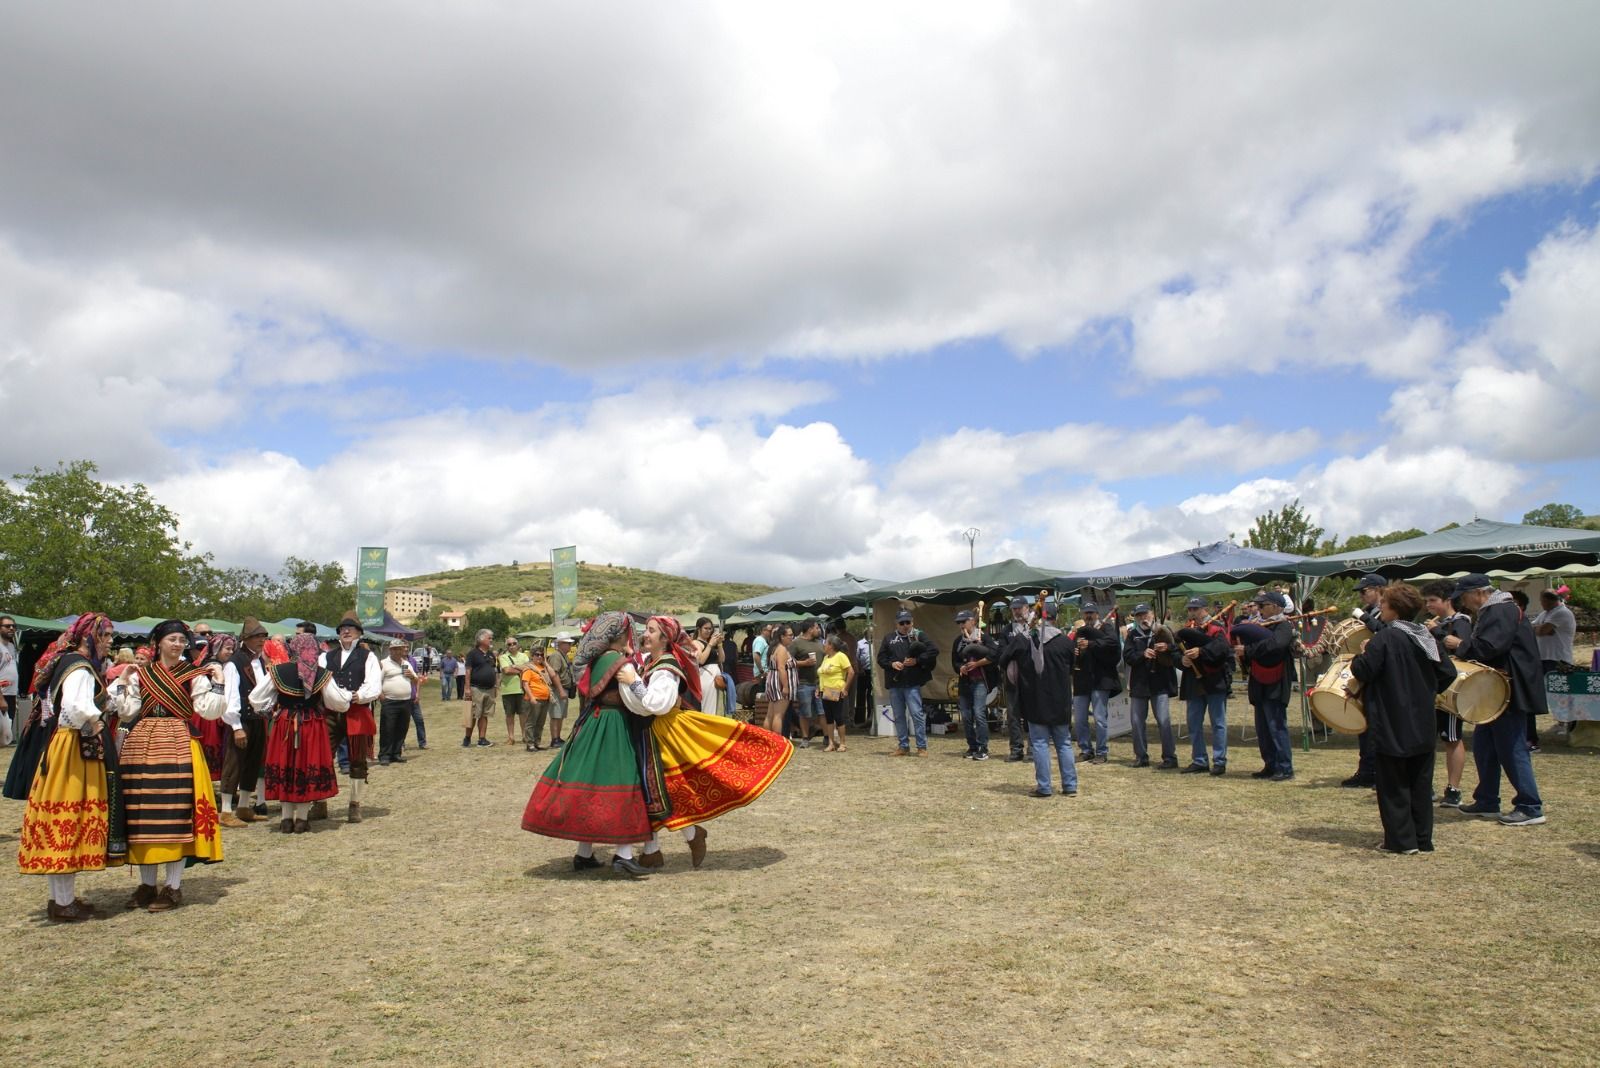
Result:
<point x="241" y="766"/>
<point x="355" y="669"/>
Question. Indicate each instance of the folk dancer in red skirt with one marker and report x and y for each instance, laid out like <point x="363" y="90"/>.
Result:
<point x="355" y="669"/>
<point x="73" y="819"/>
<point x="172" y="816"/>
<point x="299" y="762"/>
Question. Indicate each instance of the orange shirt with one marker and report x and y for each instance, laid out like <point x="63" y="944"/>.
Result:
<point x="534" y="680"/>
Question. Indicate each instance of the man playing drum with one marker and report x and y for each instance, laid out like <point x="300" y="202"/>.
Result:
<point x="1447" y="621"/>
<point x="1503" y="640"/>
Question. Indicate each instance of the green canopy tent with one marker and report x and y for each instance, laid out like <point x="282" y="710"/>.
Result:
<point x="828" y="598"/>
<point x="1481" y="545"/>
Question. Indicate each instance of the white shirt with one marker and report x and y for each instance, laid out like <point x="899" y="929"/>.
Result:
<point x="371" y="683"/>
<point x="1557" y="646"/>
<point x="396" y="680"/>
<point x="8" y="668"/>
<point x="231" y="691"/>
<point x="655" y="698"/>
<point x="127" y="699"/>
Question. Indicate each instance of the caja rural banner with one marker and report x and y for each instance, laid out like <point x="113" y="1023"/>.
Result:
<point x="564" y="577"/>
<point x="371" y="574"/>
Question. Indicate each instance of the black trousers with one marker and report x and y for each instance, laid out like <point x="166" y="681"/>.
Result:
<point x="394" y="723"/>
<point x="1365" y="755"/>
<point x="242" y="767"/>
<point x="1405" y="800"/>
<point x="863" y="709"/>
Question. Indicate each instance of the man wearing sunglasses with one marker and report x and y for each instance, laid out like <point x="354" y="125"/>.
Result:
<point x="8" y="677"/>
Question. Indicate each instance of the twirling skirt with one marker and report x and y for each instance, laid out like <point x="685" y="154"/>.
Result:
<point x="167" y="787"/>
<point x="67" y="823"/>
<point x="299" y="764"/>
<point x="711" y="764"/>
<point x="591" y="792"/>
<point x="31" y="744"/>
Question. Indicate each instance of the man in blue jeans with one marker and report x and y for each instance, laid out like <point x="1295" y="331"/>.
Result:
<point x="1504" y="640"/>
<point x="907" y="659"/>
<point x="1205" y="680"/>
<point x="1043" y="660"/>
<point x="1151" y="684"/>
<point x="806" y="709"/>
<point x="1269" y="664"/>
<point x="1096" y="678"/>
<point x="974" y="657"/>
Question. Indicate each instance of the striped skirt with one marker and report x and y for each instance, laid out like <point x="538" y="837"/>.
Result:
<point x="167" y="791"/>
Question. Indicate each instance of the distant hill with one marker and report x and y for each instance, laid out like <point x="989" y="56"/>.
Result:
<point x="522" y="589"/>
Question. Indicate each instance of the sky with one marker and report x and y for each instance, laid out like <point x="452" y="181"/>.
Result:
<point x="772" y="293"/>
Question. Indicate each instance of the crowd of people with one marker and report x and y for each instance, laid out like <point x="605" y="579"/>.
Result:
<point x="140" y="756"/>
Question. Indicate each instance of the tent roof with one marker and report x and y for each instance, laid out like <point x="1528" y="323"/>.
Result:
<point x="814" y="598"/>
<point x="1478" y="546"/>
<point x="395" y="629"/>
<point x="1221" y="561"/>
<point x="957" y="587"/>
<point x="49" y="626"/>
<point x="290" y="622"/>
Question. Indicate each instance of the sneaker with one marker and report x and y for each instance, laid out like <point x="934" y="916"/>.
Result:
<point x="1015" y="758"/>
<point x="1481" y="808"/>
<point x="970" y="754"/>
<point x="1085" y="756"/>
<point x="1142" y="762"/>
<point x="484" y="743"/>
<point x="805" y="743"/>
<point x="557" y="743"/>
<point x="1451" y="798"/>
<point x="1282" y="776"/>
<point x="1194" y="769"/>
<point x="1100" y="758"/>
<point x="1521" y="817"/>
<point x="1071" y="791"/>
<point x="983" y="754"/>
<point x="466" y="742"/>
<point x="1533" y="747"/>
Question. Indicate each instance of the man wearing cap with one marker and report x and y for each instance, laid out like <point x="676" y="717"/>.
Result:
<point x="1096" y="679"/>
<point x="398" y="686"/>
<point x="974" y="657"/>
<point x="241" y="764"/>
<point x="1505" y="641"/>
<point x="1370" y="589"/>
<point x="356" y="670"/>
<point x="1152" y="683"/>
<point x="1041" y="662"/>
<point x="559" y="661"/>
<point x="1269" y="663"/>
<point x="1016" y="727"/>
<point x="907" y="659"/>
<point x="1205" y="681"/>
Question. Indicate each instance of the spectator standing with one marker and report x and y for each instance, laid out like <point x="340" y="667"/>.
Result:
<point x="974" y="658"/>
<point x="907" y="658"/>
<point x="8" y="679"/>
<point x="759" y="650"/>
<point x="482" y="687"/>
<point x="447" y="676"/>
<point x="780" y="678"/>
<point x="1556" y="628"/>
<point x="560" y="662"/>
<point x="834" y="676"/>
<point x="511" y="664"/>
<point x="395" y="711"/>
<point x="1021" y="626"/>
<point x="539" y="690"/>
<point x="1096" y="679"/>
<point x="416" y="706"/>
<point x="808" y="652"/>
<point x="1152" y="684"/>
<point x="864" y="678"/>
<point x="461" y="678"/>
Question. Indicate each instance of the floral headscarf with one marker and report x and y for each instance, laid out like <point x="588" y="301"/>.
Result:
<point x="90" y="623"/>
<point x="680" y="650"/>
<point x="303" y="652"/>
<point x="598" y="635"/>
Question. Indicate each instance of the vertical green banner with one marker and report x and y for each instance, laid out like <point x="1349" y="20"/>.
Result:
<point x="564" y="579"/>
<point x="371" y="574"/>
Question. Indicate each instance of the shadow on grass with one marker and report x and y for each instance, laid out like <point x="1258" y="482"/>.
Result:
<point x="1349" y="837"/>
<point x="200" y="887"/>
<point x="748" y="859"/>
<point x="1587" y="849"/>
<point x="1016" y="789"/>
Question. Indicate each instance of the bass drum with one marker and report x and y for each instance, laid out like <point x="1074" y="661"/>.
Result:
<point x="1345" y="636"/>
<point x="1479" y="693"/>
<point x="1333" y="700"/>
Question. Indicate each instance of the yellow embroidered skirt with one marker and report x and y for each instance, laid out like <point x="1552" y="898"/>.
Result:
<point x="167" y="786"/>
<point x="64" y="826"/>
<point x="712" y="765"/>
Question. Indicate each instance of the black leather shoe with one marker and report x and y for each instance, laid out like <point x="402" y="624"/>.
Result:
<point x="1358" y="782"/>
<point x="1142" y="762"/>
<point x="1194" y="769"/>
<point x="631" y="868"/>
<point x="1219" y="769"/>
<point x="1167" y="765"/>
<point x="1264" y="773"/>
<point x="584" y="863"/>
<point x="1282" y="776"/>
<point x="1014" y="758"/>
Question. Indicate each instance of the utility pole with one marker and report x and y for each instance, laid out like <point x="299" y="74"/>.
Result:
<point x="971" y="534"/>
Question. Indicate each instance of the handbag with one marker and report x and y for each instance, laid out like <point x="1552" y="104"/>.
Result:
<point x="831" y="695"/>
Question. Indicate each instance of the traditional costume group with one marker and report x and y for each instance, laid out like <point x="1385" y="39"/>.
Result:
<point x="643" y="757"/>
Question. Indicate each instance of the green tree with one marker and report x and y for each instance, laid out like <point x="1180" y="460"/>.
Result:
<point x="496" y="619"/>
<point x="71" y="543"/>
<point x="1288" y="530"/>
<point x="1358" y="542"/>
<point x="318" y="592"/>
<point x="1554" y="515"/>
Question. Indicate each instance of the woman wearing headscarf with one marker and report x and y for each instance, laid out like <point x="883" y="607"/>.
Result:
<point x="299" y="764"/>
<point x="591" y="791"/>
<point x="214" y="733"/>
<point x="172" y="814"/>
<point x="73" y="820"/>
<point x="693" y="766"/>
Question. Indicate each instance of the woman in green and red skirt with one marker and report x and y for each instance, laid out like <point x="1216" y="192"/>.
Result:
<point x="591" y="792"/>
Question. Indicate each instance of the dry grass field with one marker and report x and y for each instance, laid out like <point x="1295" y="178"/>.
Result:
<point x="866" y="911"/>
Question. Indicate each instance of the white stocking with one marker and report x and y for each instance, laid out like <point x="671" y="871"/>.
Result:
<point x="625" y="852"/>
<point x="147" y="874"/>
<point x="357" y="787"/>
<point x="652" y="846"/>
<point x="63" y="889"/>
<point x="585" y="850"/>
<point x="688" y="834"/>
<point x="175" y="874"/>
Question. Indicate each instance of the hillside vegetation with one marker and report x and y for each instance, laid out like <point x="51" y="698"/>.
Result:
<point x="523" y="589"/>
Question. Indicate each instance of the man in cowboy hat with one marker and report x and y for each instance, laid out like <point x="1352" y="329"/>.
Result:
<point x="355" y="669"/>
<point x="241" y="766"/>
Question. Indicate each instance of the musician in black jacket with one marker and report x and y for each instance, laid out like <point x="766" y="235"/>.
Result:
<point x="1448" y="619"/>
<point x="1503" y="640"/>
<point x="975" y="658"/>
<point x="1096" y="678"/>
<point x="1041" y="663"/>
<point x="1269" y="664"/>
<point x="1152" y="683"/>
<point x="1401" y="671"/>
<point x="907" y="658"/>
<point x="1204" y="683"/>
<point x="1368" y="588"/>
